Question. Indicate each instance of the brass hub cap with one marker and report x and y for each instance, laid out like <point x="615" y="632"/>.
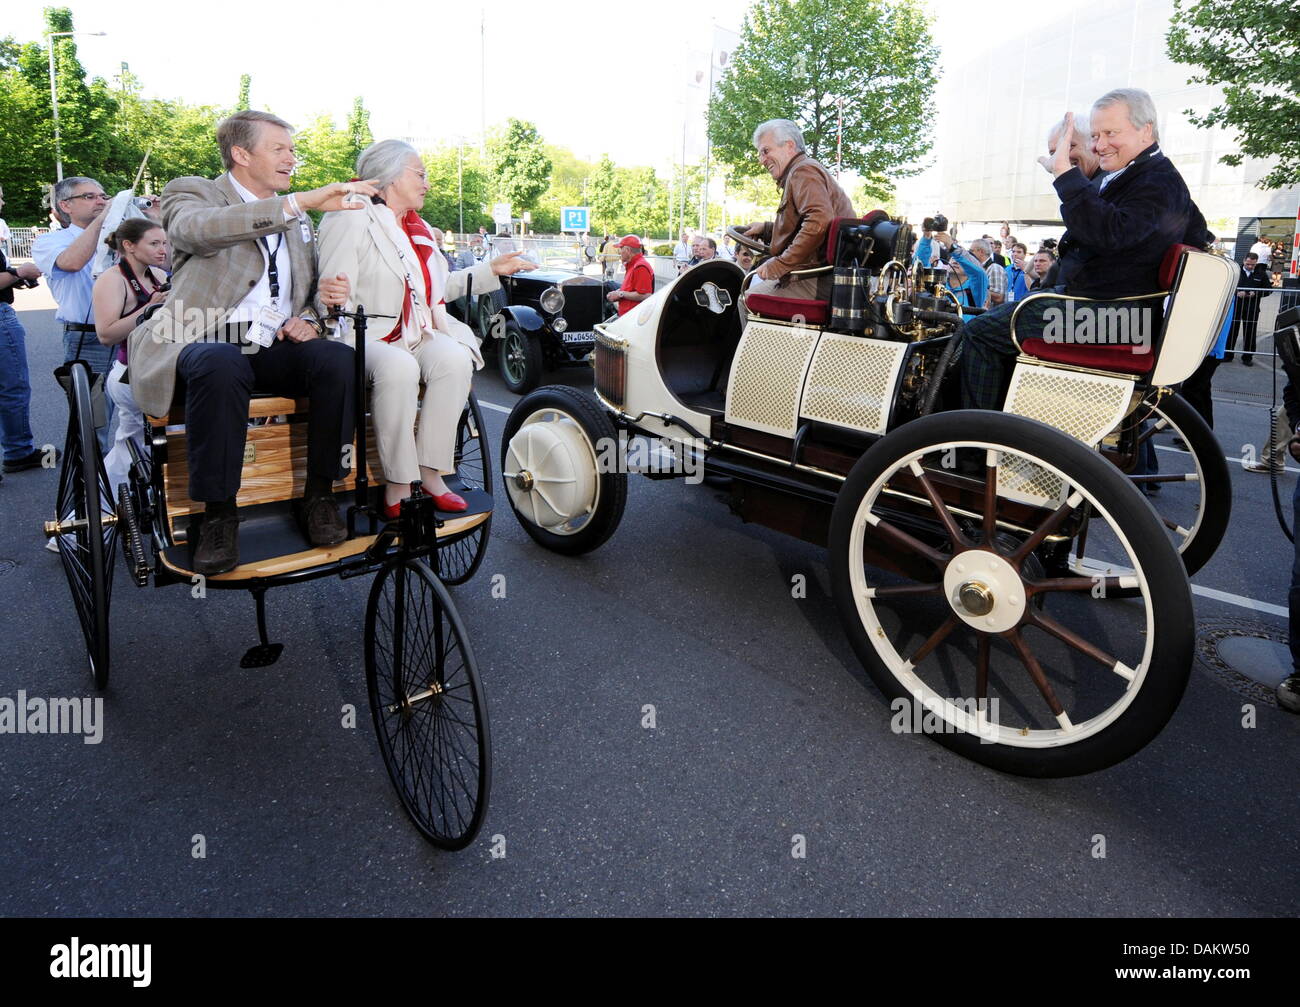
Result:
<point x="524" y="481"/>
<point x="976" y="598"/>
<point x="985" y="591"/>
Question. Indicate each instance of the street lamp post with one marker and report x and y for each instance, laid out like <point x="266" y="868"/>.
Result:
<point x="54" y="98"/>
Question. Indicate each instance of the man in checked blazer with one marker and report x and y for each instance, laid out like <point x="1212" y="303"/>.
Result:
<point x="239" y="318"/>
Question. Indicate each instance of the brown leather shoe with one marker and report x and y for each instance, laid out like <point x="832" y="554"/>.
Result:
<point x="218" y="550"/>
<point x="321" y="522"/>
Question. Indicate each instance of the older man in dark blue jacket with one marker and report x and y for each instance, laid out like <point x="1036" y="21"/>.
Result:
<point x="1118" y="228"/>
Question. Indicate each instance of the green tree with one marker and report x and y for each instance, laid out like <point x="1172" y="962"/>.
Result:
<point x="806" y="59"/>
<point x="359" y="127"/>
<point x="325" y="152"/>
<point x="1251" y="49"/>
<point x="456" y="178"/>
<point x="245" y="86"/>
<point x="520" y="168"/>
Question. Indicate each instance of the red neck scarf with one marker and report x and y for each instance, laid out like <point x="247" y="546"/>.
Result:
<point x="421" y="239"/>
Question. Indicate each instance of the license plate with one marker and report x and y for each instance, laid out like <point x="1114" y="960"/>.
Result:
<point x="579" y="337"/>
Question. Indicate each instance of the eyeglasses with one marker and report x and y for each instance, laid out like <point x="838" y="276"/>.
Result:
<point x="85" y="195"/>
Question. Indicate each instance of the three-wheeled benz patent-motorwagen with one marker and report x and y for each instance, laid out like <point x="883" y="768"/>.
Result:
<point x="426" y="702"/>
<point x="1020" y="577"/>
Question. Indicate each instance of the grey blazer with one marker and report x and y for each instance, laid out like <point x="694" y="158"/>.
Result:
<point x="216" y="259"/>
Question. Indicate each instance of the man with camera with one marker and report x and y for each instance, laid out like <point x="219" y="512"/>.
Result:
<point x="20" y="451"/>
<point x="67" y="258"/>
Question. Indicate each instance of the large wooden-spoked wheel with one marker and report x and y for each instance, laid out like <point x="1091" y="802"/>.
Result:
<point x="989" y="642"/>
<point x="1191" y="490"/>
<point x="459" y="559"/>
<point x="86" y="524"/>
<point x="427" y="704"/>
<point x="561" y="465"/>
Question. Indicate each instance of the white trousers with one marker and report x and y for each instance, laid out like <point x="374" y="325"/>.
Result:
<point x="130" y="427"/>
<point x="446" y="367"/>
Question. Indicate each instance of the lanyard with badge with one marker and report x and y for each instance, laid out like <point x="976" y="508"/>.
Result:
<point x="269" y="316"/>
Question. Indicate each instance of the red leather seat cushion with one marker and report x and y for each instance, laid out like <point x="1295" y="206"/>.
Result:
<point x="1101" y="358"/>
<point x="1169" y="264"/>
<point x="785" y="308"/>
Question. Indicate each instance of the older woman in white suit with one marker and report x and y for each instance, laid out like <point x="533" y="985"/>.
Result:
<point x="389" y="255"/>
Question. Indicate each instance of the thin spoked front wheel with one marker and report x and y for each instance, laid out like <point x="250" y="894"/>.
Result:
<point x="85" y="525"/>
<point x="427" y="704"/>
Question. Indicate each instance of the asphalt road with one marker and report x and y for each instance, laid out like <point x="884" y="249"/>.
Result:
<point x="767" y="728"/>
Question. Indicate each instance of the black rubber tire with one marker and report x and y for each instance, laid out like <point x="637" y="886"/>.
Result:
<point x="84" y="495"/>
<point x="460" y="559"/>
<point x="596" y="426"/>
<point x="438" y="752"/>
<point x="519" y="359"/>
<point x="1169" y="596"/>
<point x="1216" y="483"/>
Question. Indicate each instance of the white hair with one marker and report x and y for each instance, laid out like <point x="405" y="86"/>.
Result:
<point x="781" y="130"/>
<point x="1058" y="127"/>
<point x="982" y="246"/>
<point x="384" y="161"/>
<point x="1141" y="109"/>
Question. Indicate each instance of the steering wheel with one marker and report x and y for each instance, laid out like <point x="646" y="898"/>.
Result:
<point x="753" y="244"/>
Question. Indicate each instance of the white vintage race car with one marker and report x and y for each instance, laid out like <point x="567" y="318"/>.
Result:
<point x="1014" y="575"/>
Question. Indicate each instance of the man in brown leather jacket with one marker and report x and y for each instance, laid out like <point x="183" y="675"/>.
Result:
<point x="810" y="200"/>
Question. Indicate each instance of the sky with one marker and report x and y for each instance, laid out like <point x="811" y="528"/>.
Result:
<point x="597" y="78"/>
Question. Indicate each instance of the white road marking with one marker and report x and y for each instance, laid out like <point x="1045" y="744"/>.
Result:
<point x="1230" y="459"/>
<point x="1236" y="599"/>
<point x="1204" y="592"/>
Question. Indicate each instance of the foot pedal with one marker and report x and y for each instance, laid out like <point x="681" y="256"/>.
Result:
<point x="261" y="655"/>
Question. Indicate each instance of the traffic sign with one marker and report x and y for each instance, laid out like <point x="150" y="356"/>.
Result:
<point x="575" y="218"/>
<point x="501" y="214"/>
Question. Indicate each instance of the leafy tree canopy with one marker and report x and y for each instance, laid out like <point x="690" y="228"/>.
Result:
<point x="807" y="60"/>
<point x="1251" y="48"/>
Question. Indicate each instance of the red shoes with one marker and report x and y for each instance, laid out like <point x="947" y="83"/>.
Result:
<point x="450" y="501"/>
<point x="447" y="502"/>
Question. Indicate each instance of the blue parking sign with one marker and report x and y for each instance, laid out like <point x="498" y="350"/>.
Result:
<point x="575" y="218"/>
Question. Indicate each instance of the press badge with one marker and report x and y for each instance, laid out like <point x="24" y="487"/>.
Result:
<point x="266" y="325"/>
<point x="304" y="229"/>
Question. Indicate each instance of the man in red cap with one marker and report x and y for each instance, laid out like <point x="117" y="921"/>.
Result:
<point x="638" y="278"/>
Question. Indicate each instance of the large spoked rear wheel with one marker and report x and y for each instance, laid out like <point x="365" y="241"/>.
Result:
<point x="85" y="525"/>
<point x="561" y="467"/>
<point x="1188" y="485"/>
<point x="427" y="704"/>
<point x="460" y="558"/>
<point x="987" y="641"/>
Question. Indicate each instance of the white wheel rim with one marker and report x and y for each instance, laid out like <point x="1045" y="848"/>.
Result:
<point x="552" y="473"/>
<point x="1067" y="732"/>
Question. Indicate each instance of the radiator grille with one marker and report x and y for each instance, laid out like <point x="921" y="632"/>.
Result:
<point x="611" y="369"/>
